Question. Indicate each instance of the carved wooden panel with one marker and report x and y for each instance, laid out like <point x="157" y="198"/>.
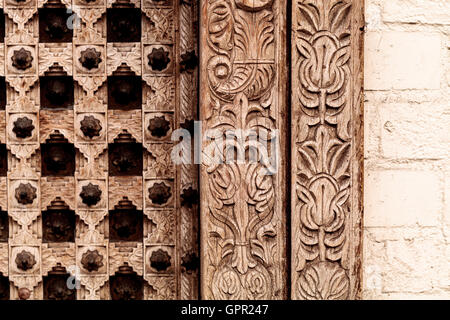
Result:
<point x="92" y="189"/>
<point x="327" y="97"/>
<point x="90" y="93"/>
<point x="243" y="111"/>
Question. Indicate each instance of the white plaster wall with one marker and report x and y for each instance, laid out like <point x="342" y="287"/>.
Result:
<point x="407" y="150"/>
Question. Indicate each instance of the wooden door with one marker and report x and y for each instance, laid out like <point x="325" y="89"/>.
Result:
<point x="91" y="91"/>
<point x="108" y="186"/>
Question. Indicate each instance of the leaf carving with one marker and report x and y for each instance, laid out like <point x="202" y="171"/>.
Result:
<point x="220" y="26"/>
<point x="324" y="147"/>
<point x="340" y="17"/>
<point x="253" y="5"/>
<point x="323" y="281"/>
<point x="309" y="15"/>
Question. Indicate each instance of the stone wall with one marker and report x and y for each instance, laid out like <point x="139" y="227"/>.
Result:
<point x="407" y="149"/>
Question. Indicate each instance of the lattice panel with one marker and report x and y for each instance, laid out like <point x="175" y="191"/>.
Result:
<point x="90" y="94"/>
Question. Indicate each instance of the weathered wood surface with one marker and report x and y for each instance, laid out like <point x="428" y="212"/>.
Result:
<point x="327" y="149"/>
<point x="159" y="51"/>
<point x="243" y="206"/>
<point x="307" y="169"/>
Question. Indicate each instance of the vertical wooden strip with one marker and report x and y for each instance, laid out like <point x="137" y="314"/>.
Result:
<point x="163" y="107"/>
<point x="327" y="143"/>
<point x="357" y="161"/>
<point x="187" y="173"/>
<point x="243" y="236"/>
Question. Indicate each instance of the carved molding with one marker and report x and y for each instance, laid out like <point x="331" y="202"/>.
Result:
<point x="327" y="144"/>
<point x="243" y="213"/>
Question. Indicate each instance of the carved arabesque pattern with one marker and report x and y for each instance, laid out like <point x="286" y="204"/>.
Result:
<point x="242" y="209"/>
<point x="243" y="226"/>
<point x="325" y="216"/>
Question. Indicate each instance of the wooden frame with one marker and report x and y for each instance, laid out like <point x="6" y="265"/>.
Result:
<point x="243" y="61"/>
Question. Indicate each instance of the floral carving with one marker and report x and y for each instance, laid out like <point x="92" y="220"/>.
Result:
<point x="90" y="126"/>
<point x="91" y="194"/>
<point x="23" y="127"/>
<point x="246" y="189"/>
<point x="22" y="59"/>
<point x="323" y="281"/>
<point x="324" y="84"/>
<point x="90" y="58"/>
<point x="323" y="189"/>
<point x="240" y="215"/>
<point x="25" y="260"/>
<point x="235" y="40"/>
<point x="254" y="5"/>
<point x="25" y="193"/>
<point x="160" y="25"/>
<point x="160" y="94"/>
<point x="160" y="161"/>
<point x="92" y="260"/>
<point x="323" y="152"/>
